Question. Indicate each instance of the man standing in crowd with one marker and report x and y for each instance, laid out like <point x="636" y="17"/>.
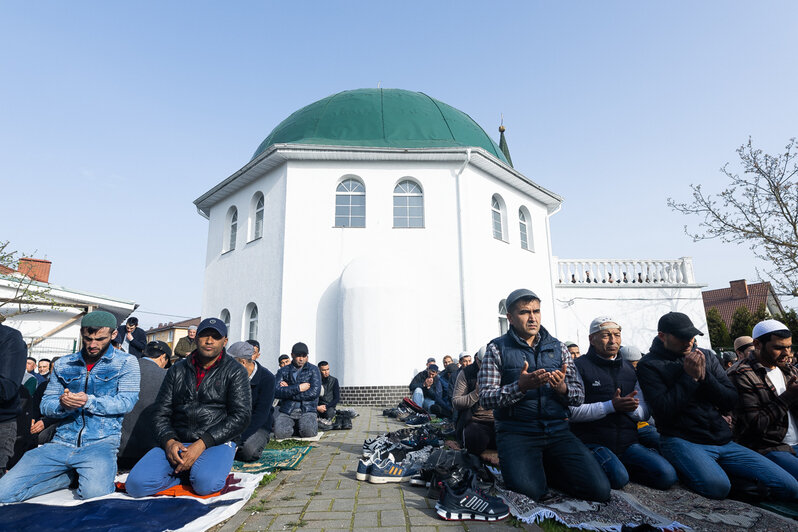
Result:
<point x="743" y="346"/>
<point x="133" y="340"/>
<point x="529" y="379"/>
<point x="91" y="390"/>
<point x="688" y="392"/>
<point x="607" y="421"/>
<point x="261" y="385"/>
<point x="283" y="361"/>
<point x="30" y="368"/>
<point x="137" y="435"/>
<point x="330" y="393"/>
<point x="573" y="349"/>
<point x="426" y="387"/>
<point x="187" y="344"/>
<point x="765" y="416"/>
<point x="298" y="387"/>
<point x="256" y="346"/>
<point x="12" y="368"/>
<point x="202" y="406"/>
<point x="44" y="368"/>
<point x="465" y="360"/>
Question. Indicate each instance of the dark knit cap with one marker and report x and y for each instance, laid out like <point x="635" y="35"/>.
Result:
<point x="299" y="349"/>
<point x="98" y="319"/>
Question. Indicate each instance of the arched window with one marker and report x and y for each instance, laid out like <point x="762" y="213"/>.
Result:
<point x="252" y="321"/>
<point x="497" y="217"/>
<point x="224" y="315"/>
<point x="523" y="224"/>
<point x="257" y="216"/>
<point x="504" y="325"/>
<point x="408" y="205"/>
<point x="232" y="229"/>
<point x="350" y="204"/>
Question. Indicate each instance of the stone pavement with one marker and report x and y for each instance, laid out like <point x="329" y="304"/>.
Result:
<point x="323" y="493"/>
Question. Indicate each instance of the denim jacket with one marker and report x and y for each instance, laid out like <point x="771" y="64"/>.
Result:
<point x="290" y="396"/>
<point x="112" y="387"/>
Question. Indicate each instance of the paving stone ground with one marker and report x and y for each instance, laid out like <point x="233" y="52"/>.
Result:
<point x="323" y="493"/>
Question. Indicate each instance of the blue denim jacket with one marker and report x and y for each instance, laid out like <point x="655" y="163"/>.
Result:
<point x="112" y="387"/>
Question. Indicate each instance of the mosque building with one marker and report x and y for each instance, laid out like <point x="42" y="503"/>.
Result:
<point x="383" y="226"/>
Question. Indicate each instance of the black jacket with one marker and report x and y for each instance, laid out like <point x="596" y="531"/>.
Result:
<point x="681" y="406"/>
<point x="262" y="387"/>
<point x="332" y="392"/>
<point x="137" y="344"/>
<point x="13" y="356"/>
<point x="216" y="413"/>
<point x="137" y="437"/>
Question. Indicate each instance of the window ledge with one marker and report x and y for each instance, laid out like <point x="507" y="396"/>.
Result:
<point x="254" y="239"/>
<point x="228" y="251"/>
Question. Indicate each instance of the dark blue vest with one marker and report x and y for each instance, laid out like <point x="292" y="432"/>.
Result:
<point x="601" y="378"/>
<point x="541" y="409"/>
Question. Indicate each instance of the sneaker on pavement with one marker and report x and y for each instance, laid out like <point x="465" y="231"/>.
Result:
<point x="470" y="503"/>
<point x="384" y="471"/>
<point x="417" y="420"/>
<point x="364" y="465"/>
<point x="412" y="405"/>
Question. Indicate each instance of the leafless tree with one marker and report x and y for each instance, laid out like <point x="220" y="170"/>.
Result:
<point x="758" y="208"/>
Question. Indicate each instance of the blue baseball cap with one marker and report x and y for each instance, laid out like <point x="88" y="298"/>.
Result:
<point x="212" y="323"/>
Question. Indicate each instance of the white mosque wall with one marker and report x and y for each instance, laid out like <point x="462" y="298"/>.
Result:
<point x="251" y="273"/>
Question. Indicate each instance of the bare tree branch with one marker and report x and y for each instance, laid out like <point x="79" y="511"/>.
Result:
<point x="758" y="207"/>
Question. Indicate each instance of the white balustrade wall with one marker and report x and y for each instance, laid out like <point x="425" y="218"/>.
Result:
<point x="625" y="271"/>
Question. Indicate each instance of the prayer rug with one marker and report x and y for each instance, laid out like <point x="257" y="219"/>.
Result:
<point x="62" y="511"/>
<point x="317" y="437"/>
<point x="272" y="459"/>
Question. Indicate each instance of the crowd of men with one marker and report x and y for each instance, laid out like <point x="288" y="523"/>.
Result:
<point x="169" y="417"/>
<point x="586" y="423"/>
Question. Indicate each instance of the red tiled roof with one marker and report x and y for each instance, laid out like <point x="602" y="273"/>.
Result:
<point x="178" y="324"/>
<point x="722" y="300"/>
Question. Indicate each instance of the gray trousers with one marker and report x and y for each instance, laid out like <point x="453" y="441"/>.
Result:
<point x="8" y="435"/>
<point x="253" y="446"/>
<point x="284" y="424"/>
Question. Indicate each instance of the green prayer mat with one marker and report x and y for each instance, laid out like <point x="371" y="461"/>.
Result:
<point x="272" y="459"/>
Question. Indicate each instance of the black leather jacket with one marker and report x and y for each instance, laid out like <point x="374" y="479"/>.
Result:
<point x="216" y="413"/>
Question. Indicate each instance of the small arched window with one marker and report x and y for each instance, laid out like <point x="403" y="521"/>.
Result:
<point x="232" y="229"/>
<point x="523" y="224"/>
<point x="497" y="217"/>
<point x="257" y="225"/>
<point x="252" y="321"/>
<point x="224" y="315"/>
<point x="350" y="204"/>
<point x="408" y="205"/>
<point x="504" y="325"/>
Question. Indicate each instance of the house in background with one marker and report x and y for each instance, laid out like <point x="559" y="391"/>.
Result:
<point x="741" y="294"/>
<point x="171" y="332"/>
<point x="48" y="315"/>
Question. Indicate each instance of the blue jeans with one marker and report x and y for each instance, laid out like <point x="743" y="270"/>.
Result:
<point x="420" y="400"/>
<point x="154" y="473"/>
<point x="785" y="460"/>
<point x="642" y="464"/>
<point x="52" y="467"/>
<point x="706" y="468"/>
<point x="648" y="437"/>
<point x="526" y="460"/>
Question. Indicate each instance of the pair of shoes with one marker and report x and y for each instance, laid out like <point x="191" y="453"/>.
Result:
<point x="417" y="420"/>
<point x="325" y="424"/>
<point x="469" y="502"/>
<point x="421" y="439"/>
<point x="382" y="471"/>
<point x="412" y="405"/>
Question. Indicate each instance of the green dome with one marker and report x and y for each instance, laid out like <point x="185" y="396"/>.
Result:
<point x="384" y="118"/>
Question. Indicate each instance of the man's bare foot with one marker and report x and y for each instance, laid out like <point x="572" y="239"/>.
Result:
<point x="491" y="457"/>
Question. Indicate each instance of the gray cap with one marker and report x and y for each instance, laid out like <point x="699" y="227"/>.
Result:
<point x="630" y="353"/>
<point x="597" y="325"/>
<point x="521" y="293"/>
<point x="192" y="327"/>
<point x="241" y="350"/>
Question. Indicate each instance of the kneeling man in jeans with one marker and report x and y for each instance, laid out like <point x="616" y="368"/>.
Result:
<point x="203" y="406"/>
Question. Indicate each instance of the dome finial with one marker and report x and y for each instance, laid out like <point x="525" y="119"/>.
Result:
<point x="503" y="142"/>
<point x="501" y="125"/>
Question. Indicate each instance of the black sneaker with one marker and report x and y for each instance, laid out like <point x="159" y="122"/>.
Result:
<point x="470" y="503"/>
<point x="417" y="420"/>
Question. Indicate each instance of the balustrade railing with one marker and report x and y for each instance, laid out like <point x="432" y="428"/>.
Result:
<point x="625" y="272"/>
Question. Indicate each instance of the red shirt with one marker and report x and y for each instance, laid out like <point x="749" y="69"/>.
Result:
<point x="201" y="372"/>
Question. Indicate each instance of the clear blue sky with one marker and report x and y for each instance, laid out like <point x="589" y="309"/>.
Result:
<point x="115" y="116"/>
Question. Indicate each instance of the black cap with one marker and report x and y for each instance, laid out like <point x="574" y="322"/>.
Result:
<point x="521" y="293"/>
<point x="282" y="357"/>
<point x="299" y="349"/>
<point x="432" y="367"/>
<point x="212" y="323"/>
<point x="679" y="325"/>
<point x="155" y="348"/>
